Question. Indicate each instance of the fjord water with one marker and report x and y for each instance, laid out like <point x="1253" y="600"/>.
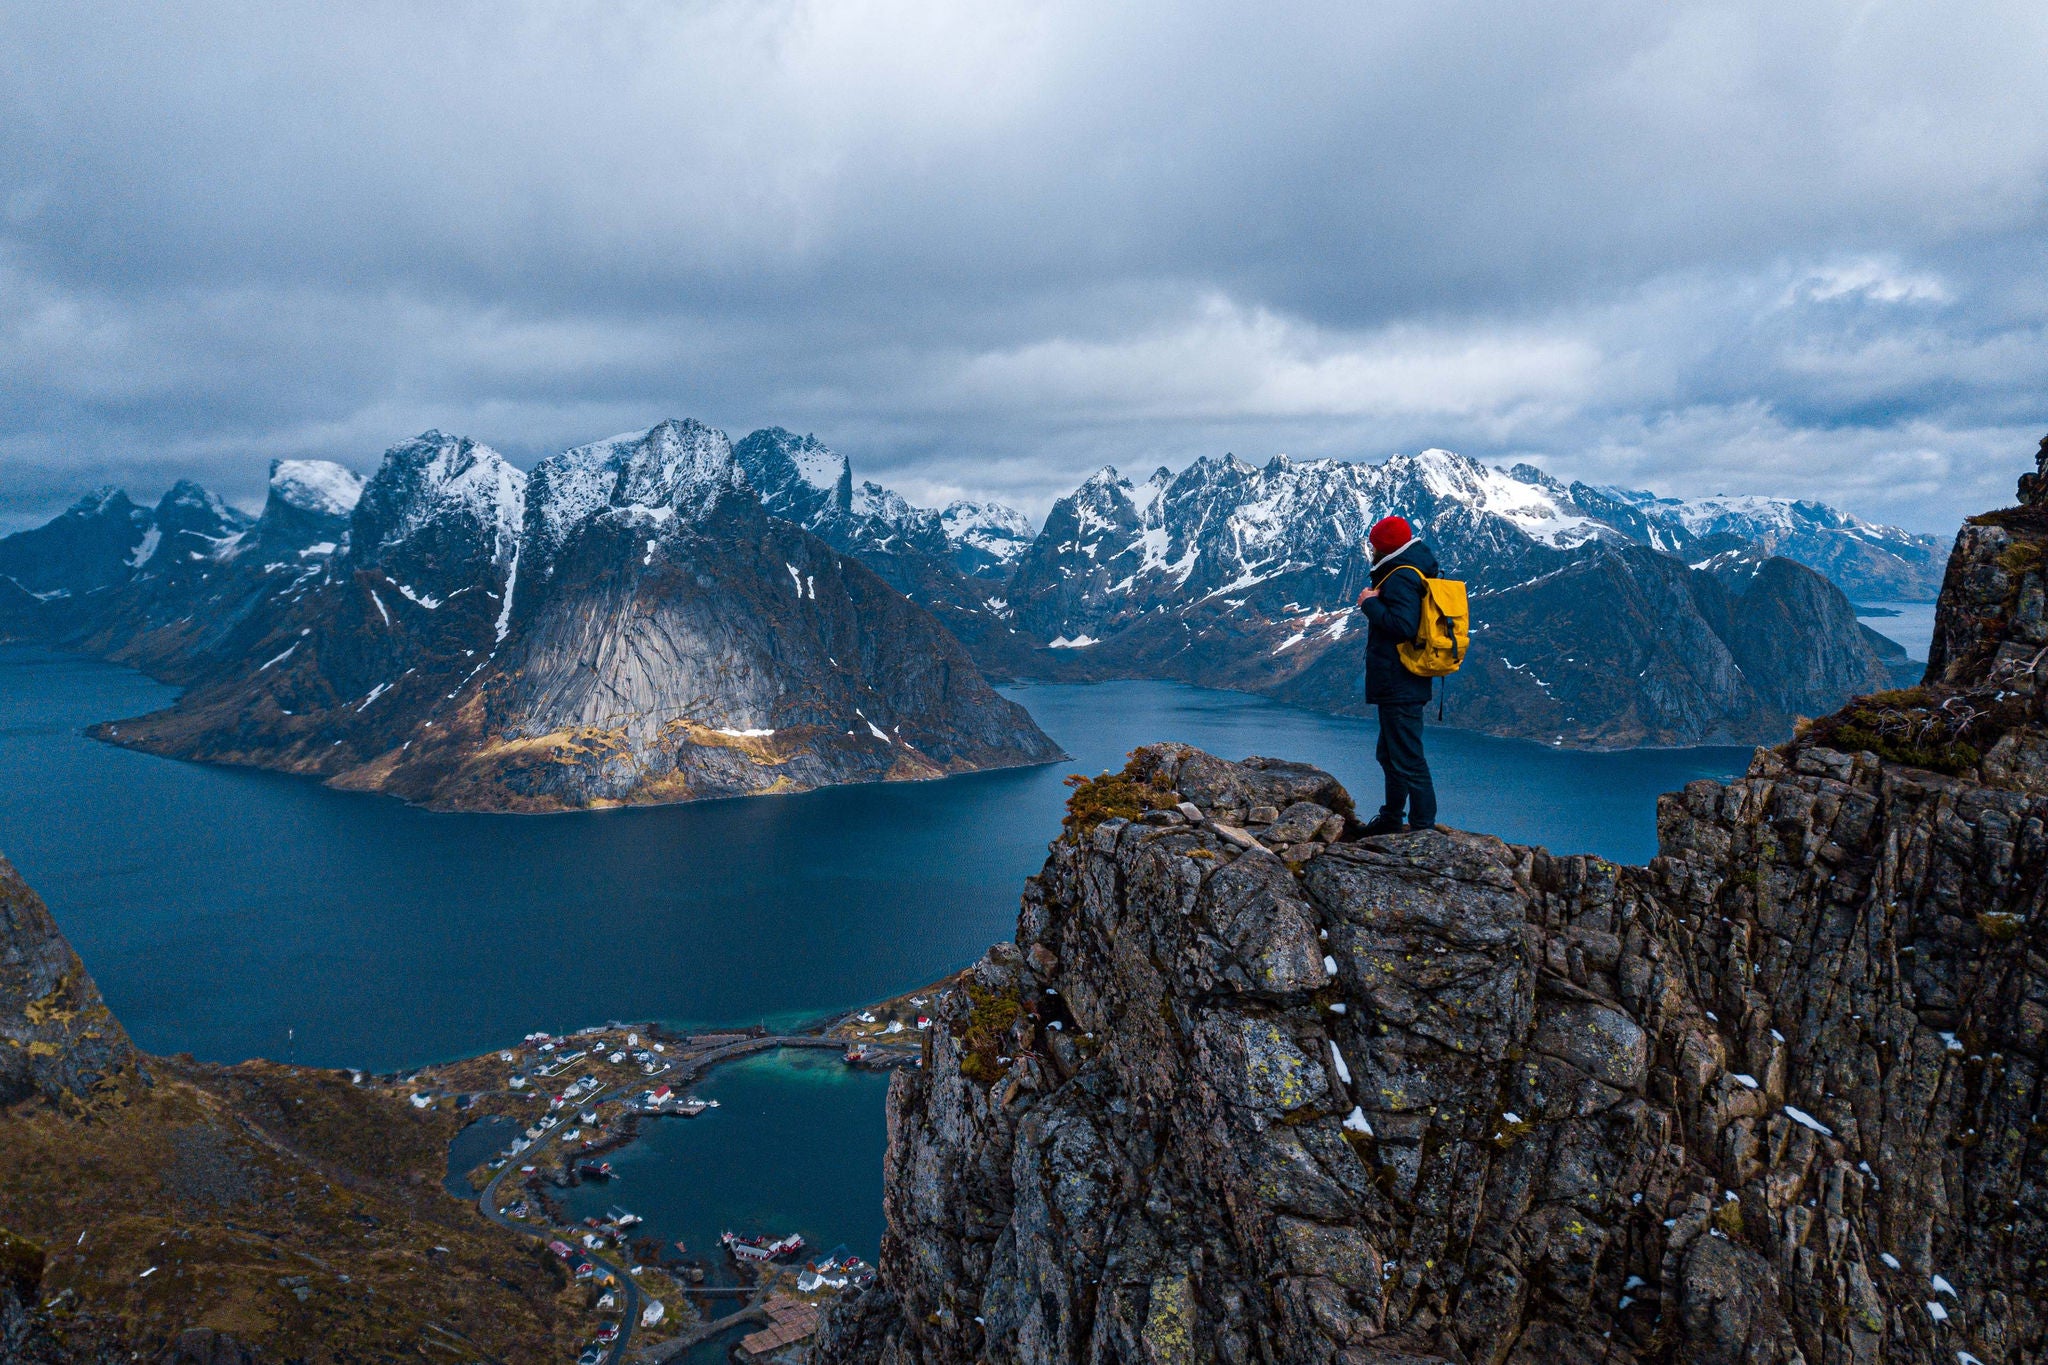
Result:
<point x="234" y="913"/>
<point x="1910" y="624"/>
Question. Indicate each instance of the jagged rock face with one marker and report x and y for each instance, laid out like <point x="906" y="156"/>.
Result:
<point x="308" y="504"/>
<point x="1440" y="1098"/>
<point x="92" y="545"/>
<point x="987" y="537"/>
<point x="697" y="646"/>
<point x="1241" y="1092"/>
<point x="916" y="551"/>
<point x="190" y="524"/>
<point x="442" y="515"/>
<point x="798" y="477"/>
<point x="58" y="1040"/>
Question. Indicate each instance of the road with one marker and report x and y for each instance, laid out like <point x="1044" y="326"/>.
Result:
<point x="487" y="1203"/>
<point x="688" y="1068"/>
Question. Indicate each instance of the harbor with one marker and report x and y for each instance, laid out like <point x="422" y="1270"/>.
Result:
<point x="571" y="1133"/>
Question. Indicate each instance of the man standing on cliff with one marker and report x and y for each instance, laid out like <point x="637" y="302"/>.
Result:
<point x="1392" y="604"/>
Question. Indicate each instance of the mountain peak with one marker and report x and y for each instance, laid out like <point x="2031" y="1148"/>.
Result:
<point x="104" y="500"/>
<point x="318" y="486"/>
<point x="680" y="464"/>
<point x="798" y="478"/>
<point x="444" y="492"/>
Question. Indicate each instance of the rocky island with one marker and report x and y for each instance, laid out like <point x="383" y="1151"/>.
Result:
<point x="628" y="625"/>
<point x="1243" y="1089"/>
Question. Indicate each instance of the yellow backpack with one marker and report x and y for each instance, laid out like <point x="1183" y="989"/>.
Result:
<point x="1439" y="646"/>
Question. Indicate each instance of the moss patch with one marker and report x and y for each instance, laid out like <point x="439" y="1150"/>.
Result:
<point x="1911" y="727"/>
<point x="1114" y="796"/>
<point x="989" y="1018"/>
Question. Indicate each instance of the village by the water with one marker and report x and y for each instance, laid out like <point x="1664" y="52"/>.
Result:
<point x="561" y="1103"/>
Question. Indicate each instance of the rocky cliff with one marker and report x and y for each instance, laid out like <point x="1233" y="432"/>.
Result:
<point x="58" y="1041"/>
<point x="1245" y="1088"/>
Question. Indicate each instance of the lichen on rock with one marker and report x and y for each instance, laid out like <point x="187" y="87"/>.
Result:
<point x="58" y="1040"/>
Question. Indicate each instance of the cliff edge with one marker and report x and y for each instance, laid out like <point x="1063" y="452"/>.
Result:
<point x="58" y="1039"/>
<point x="1246" y="1089"/>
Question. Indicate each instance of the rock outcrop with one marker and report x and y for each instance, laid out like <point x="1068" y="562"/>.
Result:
<point x="1247" y="1089"/>
<point x="58" y="1040"/>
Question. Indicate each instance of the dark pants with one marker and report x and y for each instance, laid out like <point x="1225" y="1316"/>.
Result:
<point x="1400" y="754"/>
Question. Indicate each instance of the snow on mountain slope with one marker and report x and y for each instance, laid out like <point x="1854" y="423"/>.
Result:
<point x="986" y="537"/>
<point x="1230" y="574"/>
<point x="1112" y="550"/>
<point x="319" y="486"/>
<point x="676" y="468"/>
<point x="798" y="478"/>
<point x="434" y="494"/>
<point x="1868" y="561"/>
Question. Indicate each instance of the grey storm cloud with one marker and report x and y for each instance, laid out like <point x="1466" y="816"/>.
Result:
<point x="1792" y="248"/>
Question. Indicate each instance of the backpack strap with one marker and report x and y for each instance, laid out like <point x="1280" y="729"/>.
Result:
<point x="1425" y="593"/>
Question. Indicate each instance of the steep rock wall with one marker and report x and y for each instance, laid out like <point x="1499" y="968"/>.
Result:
<point x="58" y="1039"/>
<point x="1245" y="1090"/>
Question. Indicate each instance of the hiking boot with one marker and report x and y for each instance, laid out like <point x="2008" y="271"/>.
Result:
<point x="1383" y="824"/>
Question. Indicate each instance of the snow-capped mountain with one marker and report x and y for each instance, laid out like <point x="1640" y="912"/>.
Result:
<point x="628" y="624"/>
<point x="1606" y="616"/>
<point x="913" y="548"/>
<point x="319" y="487"/>
<point x="986" y="537"/>
<point x="1288" y="531"/>
<point x="1867" y="561"/>
<point x="803" y="481"/>
<point x="92" y="544"/>
<point x="1239" y="575"/>
<point x="797" y="477"/>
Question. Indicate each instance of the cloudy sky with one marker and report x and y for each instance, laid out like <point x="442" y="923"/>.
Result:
<point x="1792" y="247"/>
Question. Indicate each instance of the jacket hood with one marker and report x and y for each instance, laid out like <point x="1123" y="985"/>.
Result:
<point x="1414" y="552"/>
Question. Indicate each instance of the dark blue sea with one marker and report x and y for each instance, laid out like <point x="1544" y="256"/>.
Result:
<point x="232" y="913"/>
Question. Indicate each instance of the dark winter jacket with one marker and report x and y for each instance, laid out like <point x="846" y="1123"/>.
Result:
<point x="1395" y="618"/>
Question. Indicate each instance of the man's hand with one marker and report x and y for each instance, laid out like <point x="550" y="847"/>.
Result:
<point x="1367" y="595"/>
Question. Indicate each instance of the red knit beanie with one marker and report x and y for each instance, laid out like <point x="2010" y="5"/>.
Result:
<point x="1389" y="534"/>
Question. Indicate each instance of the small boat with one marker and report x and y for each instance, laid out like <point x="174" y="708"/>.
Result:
<point x="758" y="1249"/>
<point x="596" y="1170"/>
<point x="856" y="1055"/>
<point x="620" y="1216"/>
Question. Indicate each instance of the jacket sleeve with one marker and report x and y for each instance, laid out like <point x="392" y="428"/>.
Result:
<point x="1398" y="608"/>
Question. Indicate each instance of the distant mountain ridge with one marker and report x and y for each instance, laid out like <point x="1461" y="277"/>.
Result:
<point x="1606" y="617"/>
<point x="1239" y="575"/>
